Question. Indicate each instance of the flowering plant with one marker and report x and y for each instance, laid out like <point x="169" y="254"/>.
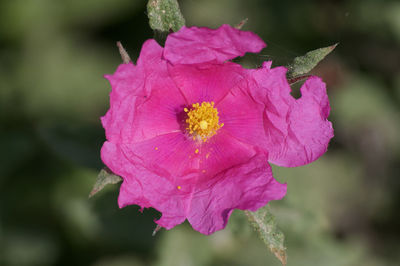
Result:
<point x="191" y="133"/>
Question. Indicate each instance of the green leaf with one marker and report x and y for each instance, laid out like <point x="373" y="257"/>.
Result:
<point x="304" y="64"/>
<point x="264" y="223"/>
<point x="104" y="178"/>
<point x="164" y="15"/>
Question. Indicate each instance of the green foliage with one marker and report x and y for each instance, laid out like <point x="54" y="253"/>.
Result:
<point x="104" y="178"/>
<point x="165" y="15"/>
<point x="304" y="64"/>
<point x="264" y="222"/>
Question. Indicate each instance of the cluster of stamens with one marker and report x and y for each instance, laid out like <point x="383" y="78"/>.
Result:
<point x="203" y="120"/>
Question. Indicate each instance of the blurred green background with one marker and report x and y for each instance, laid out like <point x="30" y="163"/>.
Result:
<point x="340" y="210"/>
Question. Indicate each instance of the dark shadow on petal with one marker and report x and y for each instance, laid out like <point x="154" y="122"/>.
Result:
<point x="181" y="117"/>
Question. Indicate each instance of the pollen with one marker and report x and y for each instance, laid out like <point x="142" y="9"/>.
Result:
<point x="202" y="120"/>
<point x="203" y="124"/>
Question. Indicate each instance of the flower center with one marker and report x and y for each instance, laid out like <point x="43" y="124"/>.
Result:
<point x="203" y="120"/>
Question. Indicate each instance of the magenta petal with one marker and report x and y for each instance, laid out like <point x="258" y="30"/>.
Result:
<point x="131" y="105"/>
<point x="171" y="155"/>
<point x="309" y="131"/>
<point x="206" y="82"/>
<point x="131" y="79"/>
<point x="145" y="188"/>
<point x="222" y="152"/>
<point x="125" y="81"/>
<point x="242" y="116"/>
<point x="158" y="114"/>
<point x="297" y="132"/>
<point x="198" y="45"/>
<point x="113" y="157"/>
<point x="246" y="186"/>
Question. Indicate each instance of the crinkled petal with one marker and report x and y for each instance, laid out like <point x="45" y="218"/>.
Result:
<point x="131" y="79"/>
<point x="206" y="82"/>
<point x="242" y="116"/>
<point x="176" y="156"/>
<point x="138" y="99"/>
<point x="247" y="186"/>
<point x="309" y="130"/>
<point x="221" y="152"/>
<point x="126" y="80"/>
<point x="207" y="204"/>
<point x="297" y="131"/>
<point x="198" y="45"/>
<point x="145" y="188"/>
<point x="159" y="114"/>
<point x="118" y="120"/>
<point x="171" y="155"/>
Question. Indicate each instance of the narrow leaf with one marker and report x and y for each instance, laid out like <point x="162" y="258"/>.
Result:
<point x="304" y="64"/>
<point x="158" y="228"/>
<point x="104" y="178"/>
<point x="264" y="223"/>
<point x="241" y="24"/>
<point x="164" y="15"/>
<point x="124" y="54"/>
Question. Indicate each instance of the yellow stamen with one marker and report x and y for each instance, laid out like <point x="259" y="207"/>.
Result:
<point x="196" y="151"/>
<point x="203" y="124"/>
<point x="178" y="187"/>
<point x="203" y="120"/>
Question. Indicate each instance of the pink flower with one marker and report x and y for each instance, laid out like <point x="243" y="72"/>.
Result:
<point x="191" y="133"/>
